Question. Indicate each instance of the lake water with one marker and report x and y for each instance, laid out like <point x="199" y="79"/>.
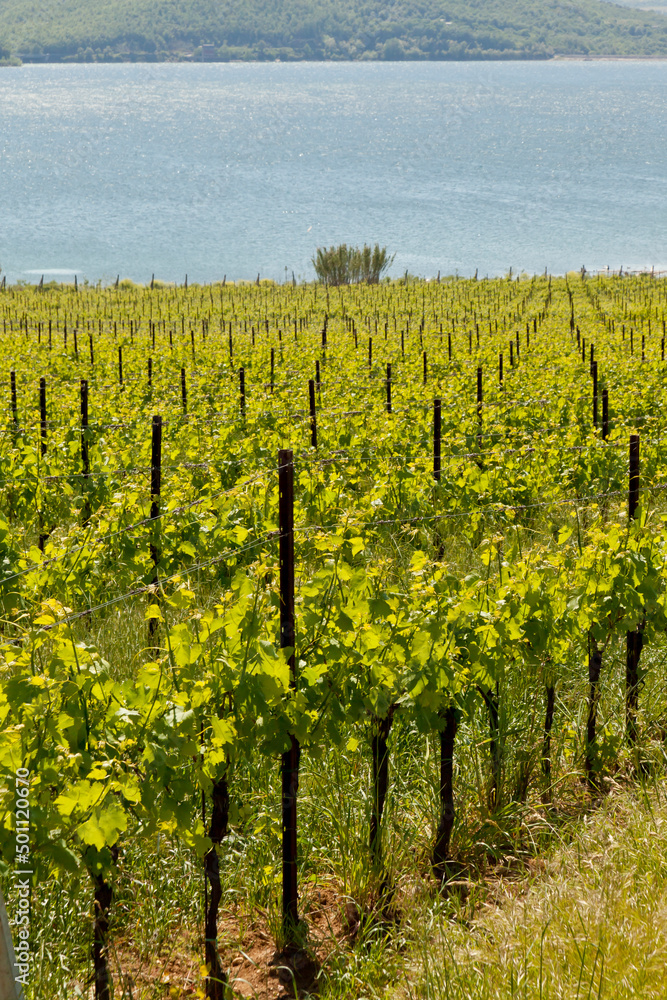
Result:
<point x="237" y="169"/>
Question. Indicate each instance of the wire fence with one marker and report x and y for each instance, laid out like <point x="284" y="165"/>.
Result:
<point x="331" y="528"/>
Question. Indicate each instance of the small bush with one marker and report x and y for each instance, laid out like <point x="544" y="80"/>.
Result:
<point x="344" y="265"/>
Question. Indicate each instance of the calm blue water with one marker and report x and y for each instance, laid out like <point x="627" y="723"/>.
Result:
<point x="238" y="169"/>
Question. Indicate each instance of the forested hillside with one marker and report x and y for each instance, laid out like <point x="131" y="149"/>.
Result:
<point x="326" y="29"/>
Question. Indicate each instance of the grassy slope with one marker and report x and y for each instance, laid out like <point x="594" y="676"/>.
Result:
<point x="590" y="923"/>
<point x="334" y="29"/>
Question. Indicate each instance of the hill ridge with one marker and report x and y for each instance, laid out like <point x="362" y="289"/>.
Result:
<point x="116" y="30"/>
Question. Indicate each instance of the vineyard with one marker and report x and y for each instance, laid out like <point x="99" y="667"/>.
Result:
<point x="310" y="595"/>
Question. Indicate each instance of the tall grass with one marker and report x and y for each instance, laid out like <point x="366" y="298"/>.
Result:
<point x="589" y="922"/>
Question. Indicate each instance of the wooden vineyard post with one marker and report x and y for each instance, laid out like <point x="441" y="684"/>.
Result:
<point x="448" y="716"/>
<point x="500" y="369"/>
<point x="85" y="458"/>
<point x="447" y="811"/>
<point x="380" y="759"/>
<point x="370" y="353"/>
<point x="76" y="344"/>
<point x="313" y="413"/>
<point x="634" y="639"/>
<point x="42" y="423"/>
<point x="184" y="392"/>
<point x="437" y="438"/>
<point x="594" y="373"/>
<point x="156" y="485"/>
<point x="42" y="413"/>
<point x="216" y="978"/>
<point x="511" y="354"/>
<point x="633" y="481"/>
<point x="546" y="741"/>
<point x="273" y="364"/>
<point x="120" y="367"/>
<point x="15" y="413"/>
<point x="425" y="368"/>
<point x="290" y="758"/>
<point x="150" y="373"/>
<point x="605" y="414"/>
<point x="594" y="668"/>
<point x="85" y="463"/>
<point x="449" y="345"/>
<point x="388" y="388"/>
<point x="92" y="352"/>
<point x="318" y="378"/>
<point x="242" y="391"/>
<point x="479" y="408"/>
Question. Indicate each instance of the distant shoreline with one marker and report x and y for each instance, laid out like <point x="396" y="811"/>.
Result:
<point x="17" y="62"/>
<point x="561" y="58"/>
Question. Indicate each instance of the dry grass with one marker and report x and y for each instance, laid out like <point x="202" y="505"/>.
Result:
<point x="589" y="922"/>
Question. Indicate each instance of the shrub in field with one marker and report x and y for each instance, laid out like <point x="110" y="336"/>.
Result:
<point x="344" y="265"/>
